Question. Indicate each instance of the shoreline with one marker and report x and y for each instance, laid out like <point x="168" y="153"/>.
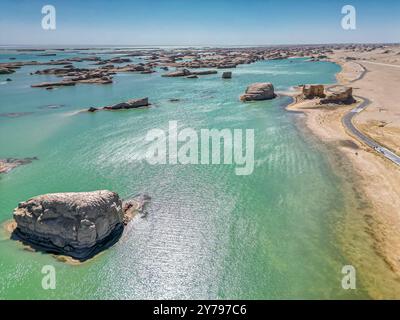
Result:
<point x="372" y="220"/>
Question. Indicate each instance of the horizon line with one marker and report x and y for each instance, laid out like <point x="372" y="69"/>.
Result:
<point x="200" y="45"/>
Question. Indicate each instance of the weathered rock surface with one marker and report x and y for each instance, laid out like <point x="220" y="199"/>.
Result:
<point x="74" y="224"/>
<point x="339" y="95"/>
<point x="6" y="165"/>
<point x="259" y="91"/>
<point x="313" y="91"/>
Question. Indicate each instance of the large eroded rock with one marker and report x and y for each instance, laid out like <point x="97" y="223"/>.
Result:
<point x="339" y="95"/>
<point x="314" y="91"/>
<point x="259" y="91"/>
<point x="75" y="224"/>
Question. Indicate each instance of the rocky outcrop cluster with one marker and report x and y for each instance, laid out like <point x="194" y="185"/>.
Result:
<point x="100" y="75"/>
<point x="259" y="91"/>
<point x="78" y="225"/>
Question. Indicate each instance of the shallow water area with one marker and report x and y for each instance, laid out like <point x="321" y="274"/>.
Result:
<point x="209" y="233"/>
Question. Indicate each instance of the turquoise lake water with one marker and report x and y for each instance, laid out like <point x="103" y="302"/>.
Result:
<point x="209" y="233"/>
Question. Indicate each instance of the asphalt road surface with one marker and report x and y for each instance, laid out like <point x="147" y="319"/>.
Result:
<point x="347" y="122"/>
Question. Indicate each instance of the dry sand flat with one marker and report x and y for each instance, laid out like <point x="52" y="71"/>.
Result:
<point x="380" y="84"/>
<point x="375" y="180"/>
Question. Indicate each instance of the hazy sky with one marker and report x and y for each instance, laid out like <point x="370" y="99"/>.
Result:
<point x="200" y="22"/>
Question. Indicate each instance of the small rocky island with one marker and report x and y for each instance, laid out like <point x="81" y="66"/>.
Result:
<point x="259" y="91"/>
<point x="78" y="225"/>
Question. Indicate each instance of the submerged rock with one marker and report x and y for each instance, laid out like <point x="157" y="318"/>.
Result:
<point x="6" y="165"/>
<point x="259" y="91"/>
<point x="78" y="225"/>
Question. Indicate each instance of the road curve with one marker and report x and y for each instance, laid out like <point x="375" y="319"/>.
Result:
<point x="348" y="124"/>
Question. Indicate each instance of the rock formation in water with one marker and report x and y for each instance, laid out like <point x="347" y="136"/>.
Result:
<point x="339" y="95"/>
<point x="259" y="91"/>
<point x="187" y="73"/>
<point x="203" y="72"/>
<point x="6" y="165"/>
<point x="6" y="71"/>
<point x="130" y="104"/>
<point x="53" y="84"/>
<point x="227" y="75"/>
<point x="178" y="73"/>
<point x="313" y="91"/>
<point x="78" y="225"/>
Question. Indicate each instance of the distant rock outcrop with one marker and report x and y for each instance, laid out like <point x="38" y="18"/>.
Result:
<point x="203" y="72"/>
<point x="78" y="225"/>
<point x="259" y="91"/>
<point x="178" y="73"/>
<point x="339" y="95"/>
<point x="187" y="73"/>
<point x="53" y="84"/>
<point x="227" y="75"/>
<point x="130" y="104"/>
<point x="6" y="71"/>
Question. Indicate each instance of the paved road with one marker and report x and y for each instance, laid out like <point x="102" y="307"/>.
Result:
<point x="381" y="64"/>
<point x="347" y="122"/>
